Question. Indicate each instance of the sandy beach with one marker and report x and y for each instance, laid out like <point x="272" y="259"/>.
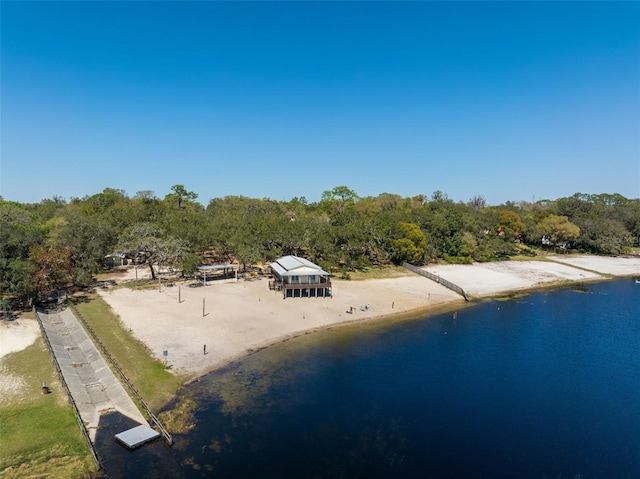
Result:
<point x="243" y="316"/>
<point x="240" y="317"/>
<point x="14" y="336"/>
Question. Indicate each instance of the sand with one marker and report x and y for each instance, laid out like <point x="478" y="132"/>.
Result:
<point x="240" y="317"/>
<point x="243" y="316"/>
<point x="485" y="279"/>
<point x="14" y="336"/>
<point x="17" y="335"/>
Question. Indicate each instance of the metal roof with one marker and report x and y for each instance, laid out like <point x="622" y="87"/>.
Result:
<point x="207" y="267"/>
<point x="296" y="266"/>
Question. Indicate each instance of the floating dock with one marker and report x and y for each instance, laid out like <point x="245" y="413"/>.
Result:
<point x="137" y="436"/>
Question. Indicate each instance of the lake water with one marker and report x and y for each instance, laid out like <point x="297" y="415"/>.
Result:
<point x="542" y="386"/>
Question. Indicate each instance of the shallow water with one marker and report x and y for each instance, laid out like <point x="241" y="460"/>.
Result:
<point x="542" y="386"/>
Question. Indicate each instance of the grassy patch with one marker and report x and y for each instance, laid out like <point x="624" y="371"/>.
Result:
<point x="40" y="435"/>
<point x="179" y="420"/>
<point x="140" y="284"/>
<point x="380" y="273"/>
<point x="530" y="258"/>
<point x="155" y="383"/>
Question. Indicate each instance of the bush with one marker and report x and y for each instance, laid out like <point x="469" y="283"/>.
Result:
<point x="458" y="259"/>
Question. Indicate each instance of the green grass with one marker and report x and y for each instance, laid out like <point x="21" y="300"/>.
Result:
<point x="530" y="258"/>
<point x="378" y="273"/>
<point x="154" y="382"/>
<point x="39" y="435"/>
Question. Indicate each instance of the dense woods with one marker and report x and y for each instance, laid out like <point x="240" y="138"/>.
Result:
<point x="58" y="244"/>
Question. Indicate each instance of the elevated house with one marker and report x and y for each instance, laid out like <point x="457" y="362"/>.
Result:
<point x="299" y="278"/>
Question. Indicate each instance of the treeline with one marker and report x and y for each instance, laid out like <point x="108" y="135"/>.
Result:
<point x="60" y="244"/>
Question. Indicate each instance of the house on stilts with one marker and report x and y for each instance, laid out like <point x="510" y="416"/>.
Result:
<point x="299" y="278"/>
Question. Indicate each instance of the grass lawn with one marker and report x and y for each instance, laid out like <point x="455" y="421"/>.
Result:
<point x="379" y="273"/>
<point x="154" y="382"/>
<point x="39" y="435"/>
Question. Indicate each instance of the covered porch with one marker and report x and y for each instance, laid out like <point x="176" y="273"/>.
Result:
<point x="216" y="272"/>
<point x="299" y="278"/>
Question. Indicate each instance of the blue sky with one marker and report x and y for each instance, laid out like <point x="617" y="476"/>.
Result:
<point x="508" y="100"/>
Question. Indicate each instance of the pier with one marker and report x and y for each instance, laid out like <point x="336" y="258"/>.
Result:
<point x="437" y="279"/>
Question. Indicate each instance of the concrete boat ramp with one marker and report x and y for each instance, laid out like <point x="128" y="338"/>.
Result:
<point x="93" y="386"/>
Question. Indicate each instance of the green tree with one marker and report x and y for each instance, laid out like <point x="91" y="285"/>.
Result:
<point x="411" y="246"/>
<point x="510" y="225"/>
<point x="20" y="230"/>
<point x="190" y="263"/>
<point x="180" y="195"/>
<point x="603" y="235"/>
<point x="558" y="230"/>
<point x="147" y="243"/>
<point x="340" y="197"/>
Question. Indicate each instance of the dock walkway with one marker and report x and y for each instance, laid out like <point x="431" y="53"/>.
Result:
<point x="93" y="386"/>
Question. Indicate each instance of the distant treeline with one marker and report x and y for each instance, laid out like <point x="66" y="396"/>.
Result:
<point x="58" y="244"/>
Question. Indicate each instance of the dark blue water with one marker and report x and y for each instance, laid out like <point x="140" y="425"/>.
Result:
<point x="542" y="386"/>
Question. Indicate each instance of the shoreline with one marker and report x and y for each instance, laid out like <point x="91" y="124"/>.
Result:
<point x="244" y="317"/>
<point x="412" y="315"/>
<point x="370" y="321"/>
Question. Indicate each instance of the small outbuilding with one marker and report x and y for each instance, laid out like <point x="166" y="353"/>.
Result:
<point x="299" y="278"/>
<point x="115" y="259"/>
<point x="216" y="272"/>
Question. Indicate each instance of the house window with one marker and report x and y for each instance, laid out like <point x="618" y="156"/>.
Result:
<point x="295" y="279"/>
<point x="312" y="278"/>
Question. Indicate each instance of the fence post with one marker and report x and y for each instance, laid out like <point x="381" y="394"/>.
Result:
<point x="437" y="279"/>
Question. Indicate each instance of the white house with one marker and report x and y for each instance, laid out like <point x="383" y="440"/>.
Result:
<point x="299" y="278"/>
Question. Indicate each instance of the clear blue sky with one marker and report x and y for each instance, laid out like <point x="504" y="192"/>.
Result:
<point x="508" y="100"/>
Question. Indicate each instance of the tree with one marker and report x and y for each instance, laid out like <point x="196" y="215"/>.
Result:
<point x="19" y="232"/>
<point x="558" y="230"/>
<point x="339" y="196"/>
<point x="53" y="271"/>
<point x="411" y="246"/>
<point x="603" y="235"/>
<point x="477" y="203"/>
<point x="439" y="197"/>
<point x="510" y="224"/>
<point x="190" y="263"/>
<point x="146" y="242"/>
<point x="180" y="195"/>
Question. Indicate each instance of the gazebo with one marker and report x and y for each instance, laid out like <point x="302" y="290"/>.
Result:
<point x="217" y="272"/>
<point x="299" y="278"/>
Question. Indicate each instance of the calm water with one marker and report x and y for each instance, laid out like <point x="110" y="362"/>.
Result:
<point x="543" y="386"/>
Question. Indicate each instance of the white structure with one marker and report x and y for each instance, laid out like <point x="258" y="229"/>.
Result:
<point x="217" y="272"/>
<point x="299" y="277"/>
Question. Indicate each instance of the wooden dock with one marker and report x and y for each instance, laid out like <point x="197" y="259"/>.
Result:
<point x="437" y="279"/>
